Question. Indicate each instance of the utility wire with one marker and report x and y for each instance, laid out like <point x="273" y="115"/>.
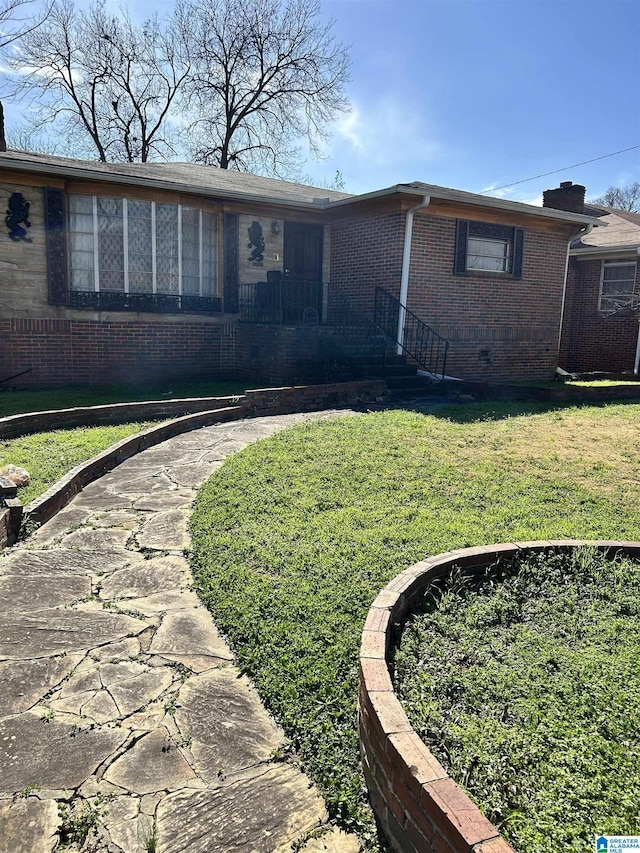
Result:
<point x="556" y="171"/>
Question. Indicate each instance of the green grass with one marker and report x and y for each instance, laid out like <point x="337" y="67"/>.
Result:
<point x="294" y="537"/>
<point x="600" y="383"/>
<point x="47" y="456"/>
<point x="526" y="684"/>
<point x="16" y="402"/>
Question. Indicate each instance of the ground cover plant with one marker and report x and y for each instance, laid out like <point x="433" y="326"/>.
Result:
<point x="525" y="683"/>
<point x="295" y="536"/>
<point x="602" y="383"/>
<point x="16" y="402"/>
<point x="47" y="456"/>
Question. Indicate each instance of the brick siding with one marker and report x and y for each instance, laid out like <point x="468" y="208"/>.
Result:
<point x="590" y="340"/>
<point x="366" y="252"/>
<point x="73" y="352"/>
<point x="276" y="355"/>
<point x="499" y="328"/>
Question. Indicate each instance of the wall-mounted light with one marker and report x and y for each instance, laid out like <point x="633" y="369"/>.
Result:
<point x="275" y="227"/>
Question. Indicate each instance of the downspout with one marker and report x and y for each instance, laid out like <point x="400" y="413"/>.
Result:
<point x="406" y="261"/>
<point x="582" y="233"/>
<point x="636" y="364"/>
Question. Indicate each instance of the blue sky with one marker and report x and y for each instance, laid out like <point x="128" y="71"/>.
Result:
<point x="475" y="94"/>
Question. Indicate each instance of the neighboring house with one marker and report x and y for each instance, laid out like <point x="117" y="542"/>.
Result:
<point x="131" y="272"/>
<point x="600" y="330"/>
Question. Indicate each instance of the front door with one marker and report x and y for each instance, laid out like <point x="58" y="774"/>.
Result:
<point x="303" y="267"/>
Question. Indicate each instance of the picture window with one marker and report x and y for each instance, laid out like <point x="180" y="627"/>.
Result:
<point x="142" y="247"/>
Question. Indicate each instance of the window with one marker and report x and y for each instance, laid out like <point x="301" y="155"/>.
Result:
<point x="485" y="247"/>
<point x="486" y="254"/>
<point x="142" y="255"/>
<point x="617" y="285"/>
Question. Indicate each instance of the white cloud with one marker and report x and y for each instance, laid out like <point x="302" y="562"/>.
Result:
<point x="350" y="128"/>
<point x="532" y="199"/>
<point x="388" y="133"/>
<point x="513" y="194"/>
<point x="494" y="192"/>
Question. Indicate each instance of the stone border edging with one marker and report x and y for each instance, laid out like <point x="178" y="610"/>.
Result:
<point x="564" y="393"/>
<point x="421" y="809"/>
<point x="13" y="426"/>
<point x="254" y="403"/>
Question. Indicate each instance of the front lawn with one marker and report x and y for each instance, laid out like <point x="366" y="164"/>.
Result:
<point x="294" y="537"/>
<point x="47" y="456"/>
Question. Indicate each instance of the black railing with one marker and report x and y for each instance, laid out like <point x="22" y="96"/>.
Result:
<point x="352" y="345"/>
<point x="281" y="300"/>
<point x="158" y="303"/>
<point x="419" y="341"/>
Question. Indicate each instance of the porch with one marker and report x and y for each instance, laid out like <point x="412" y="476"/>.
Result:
<point x="309" y="330"/>
<point x="281" y="299"/>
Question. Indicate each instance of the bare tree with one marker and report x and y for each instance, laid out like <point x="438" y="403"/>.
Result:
<point x="17" y="18"/>
<point x="106" y="85"/>
<point x="266" y="75"/>
<point x="622" y="198"/>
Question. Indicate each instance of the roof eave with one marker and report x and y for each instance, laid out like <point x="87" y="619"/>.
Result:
<point x="479" y="201"/>
<point x="605" y="250"/>
<point x="78" y="173"/>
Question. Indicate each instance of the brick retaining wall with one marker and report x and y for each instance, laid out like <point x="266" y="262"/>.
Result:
<point x="420" y="808"/>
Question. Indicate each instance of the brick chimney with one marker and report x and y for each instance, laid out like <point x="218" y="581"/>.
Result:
<point x="568" y="196"/>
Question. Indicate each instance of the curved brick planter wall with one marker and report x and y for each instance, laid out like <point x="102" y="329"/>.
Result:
<point x="420" y="808"/>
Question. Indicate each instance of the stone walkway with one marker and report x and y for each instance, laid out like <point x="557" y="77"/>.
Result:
<point x="122" y="715"/>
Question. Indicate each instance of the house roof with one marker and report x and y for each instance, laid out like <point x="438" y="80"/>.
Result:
<point x="418" y="188"/>
<point x="621" y="234"/>
<point x="241" y="186"/>
<point x="189" y="177"/>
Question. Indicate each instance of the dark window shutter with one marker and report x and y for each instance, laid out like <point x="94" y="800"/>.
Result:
<point x="56" y="242"/>
<point x="231" y="263"/>
<point x="518" y="251"/>
<point x="462" y="238"/>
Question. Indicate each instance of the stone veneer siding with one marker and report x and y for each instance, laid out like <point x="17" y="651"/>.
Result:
<point x="592" y="341"/>
<point x="498" y="327"/>
<point x="59" y="345"/>
<point x="62" y="346"/>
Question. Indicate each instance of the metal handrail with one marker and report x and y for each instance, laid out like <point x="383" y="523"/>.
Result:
<point x="419" y="341"/>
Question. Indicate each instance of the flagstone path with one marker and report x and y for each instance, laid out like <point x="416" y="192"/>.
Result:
<point x="121" y="709"/>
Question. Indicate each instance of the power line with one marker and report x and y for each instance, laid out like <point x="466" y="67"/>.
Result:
<point x="556" y="171"/>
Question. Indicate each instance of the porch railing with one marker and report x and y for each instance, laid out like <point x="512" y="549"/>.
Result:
<point x="281" y="300"/>
<point x="419" y="341"/>
<point x="159" y="303"/>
